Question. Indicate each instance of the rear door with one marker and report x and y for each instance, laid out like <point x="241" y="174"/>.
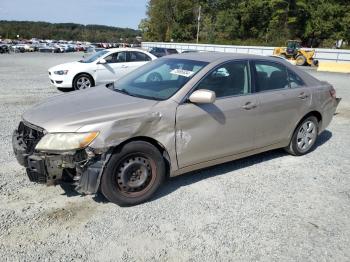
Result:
<point x="136" y="59"/>
<point x="283" y="100"/>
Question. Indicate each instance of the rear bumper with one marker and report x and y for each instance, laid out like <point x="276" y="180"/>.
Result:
<point x="329" y="112"/>
<point x="338" y="99"/>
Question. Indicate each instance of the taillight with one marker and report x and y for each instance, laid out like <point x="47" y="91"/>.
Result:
<point x="333" y="93"/>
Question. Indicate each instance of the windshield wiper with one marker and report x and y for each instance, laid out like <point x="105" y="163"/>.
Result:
<point x="149" y="97"/>
<point x="123" y="91"/>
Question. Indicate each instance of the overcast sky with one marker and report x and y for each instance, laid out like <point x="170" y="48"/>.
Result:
<point x="121" y="13"/>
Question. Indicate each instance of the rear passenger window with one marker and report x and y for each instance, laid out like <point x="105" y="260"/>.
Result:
<point x="294" y="80"/>
<point x="270" y="76"/>
<point x="230" y="79"/>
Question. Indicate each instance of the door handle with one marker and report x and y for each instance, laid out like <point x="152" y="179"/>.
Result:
<point x="303" y="95"/>
<point x="124" y="66"/>
<point x="249" y="106"/>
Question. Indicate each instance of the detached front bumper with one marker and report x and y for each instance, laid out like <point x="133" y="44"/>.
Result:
<point x="77" y="168"/>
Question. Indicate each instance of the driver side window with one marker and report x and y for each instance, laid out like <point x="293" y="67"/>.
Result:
<point x="119" y="57"/>
<point x="230" y="79"/>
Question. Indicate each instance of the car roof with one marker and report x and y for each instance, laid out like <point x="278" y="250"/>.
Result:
<point x="165" y="48"/>
<point x="214" y="56"/>
<point x="125" y="49"/>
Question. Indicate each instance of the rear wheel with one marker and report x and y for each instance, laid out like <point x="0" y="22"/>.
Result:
<point x="83" y="81"/>
<point x="304" y="137"/>
<point x="133" y="174"/>
<point x="300" y="60"/>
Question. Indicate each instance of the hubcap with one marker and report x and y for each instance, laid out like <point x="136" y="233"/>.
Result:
<point x="83" y="83"/>
<point x="306" y="136"/>
<point x="135" y="175"/>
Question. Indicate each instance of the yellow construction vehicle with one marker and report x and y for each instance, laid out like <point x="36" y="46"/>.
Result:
<point x="294" y="53"/>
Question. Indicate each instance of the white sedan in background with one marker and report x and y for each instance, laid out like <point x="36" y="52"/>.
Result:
<point x="102" y="67"/>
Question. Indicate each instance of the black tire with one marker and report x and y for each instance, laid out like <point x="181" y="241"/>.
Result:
<point x="300" y="60"/>
<point x="295" y="145"/>
<point x="141" y="159"/>
<point x="78" y="86"/>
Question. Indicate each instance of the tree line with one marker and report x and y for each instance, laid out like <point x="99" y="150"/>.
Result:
<point x="65" y="31"/>
<point x="253" y="22"/>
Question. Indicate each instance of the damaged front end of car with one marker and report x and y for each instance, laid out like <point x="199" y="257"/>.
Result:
<point x="81" y="167"/>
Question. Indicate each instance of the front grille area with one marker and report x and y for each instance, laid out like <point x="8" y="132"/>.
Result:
<point x="31" y="136"/>
<point x="36" y="177"/>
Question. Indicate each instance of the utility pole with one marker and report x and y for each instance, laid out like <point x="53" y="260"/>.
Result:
<point x="198" y="22"/>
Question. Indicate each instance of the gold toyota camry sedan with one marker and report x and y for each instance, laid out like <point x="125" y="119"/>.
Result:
<point x="174" y="115"/>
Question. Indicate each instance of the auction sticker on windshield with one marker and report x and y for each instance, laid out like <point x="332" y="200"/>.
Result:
<point x="182" y="72"/>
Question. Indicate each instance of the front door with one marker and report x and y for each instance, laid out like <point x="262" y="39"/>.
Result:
<point x="211" y="131"/>
<point x="115" y="68"/>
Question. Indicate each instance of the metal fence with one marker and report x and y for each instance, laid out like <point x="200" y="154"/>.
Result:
<point x="337" y="55"/>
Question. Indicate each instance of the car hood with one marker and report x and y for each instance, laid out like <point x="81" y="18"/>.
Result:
<point x="98" y="105"/>
<point x="65" y="66"/>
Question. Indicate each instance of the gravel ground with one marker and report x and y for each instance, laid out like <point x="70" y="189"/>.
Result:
<point x="269" y="207"/>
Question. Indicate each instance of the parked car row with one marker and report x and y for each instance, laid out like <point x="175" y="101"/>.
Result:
<point x="53" y="46"/>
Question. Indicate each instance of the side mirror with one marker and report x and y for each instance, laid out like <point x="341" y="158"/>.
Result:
<point x="102" y="61"/>
<point x="110" y="85"/>
<point x="202" y="96"/>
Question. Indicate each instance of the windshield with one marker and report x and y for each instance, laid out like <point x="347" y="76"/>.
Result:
<point x="94" y="57"/>
<point x="293" y="45"/>
<point x="159" y="80"/>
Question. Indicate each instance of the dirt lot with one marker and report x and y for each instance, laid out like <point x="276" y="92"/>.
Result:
<point x="269" y="207"/>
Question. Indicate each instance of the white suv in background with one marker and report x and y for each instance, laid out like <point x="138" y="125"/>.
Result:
<point x="102" y="67"/>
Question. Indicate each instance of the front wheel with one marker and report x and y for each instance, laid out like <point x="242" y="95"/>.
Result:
<point x="133" y="174"/>
<point x="300" y="60"/>
<point x="304" y="137"/>
<point x="83" y="81"/>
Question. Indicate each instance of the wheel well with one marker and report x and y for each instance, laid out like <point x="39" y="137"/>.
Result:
<point x="315" y="114"/>
<point x="79" y="74"/>
<point x="153" y="142"/>
<point x="312" y="113"/>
